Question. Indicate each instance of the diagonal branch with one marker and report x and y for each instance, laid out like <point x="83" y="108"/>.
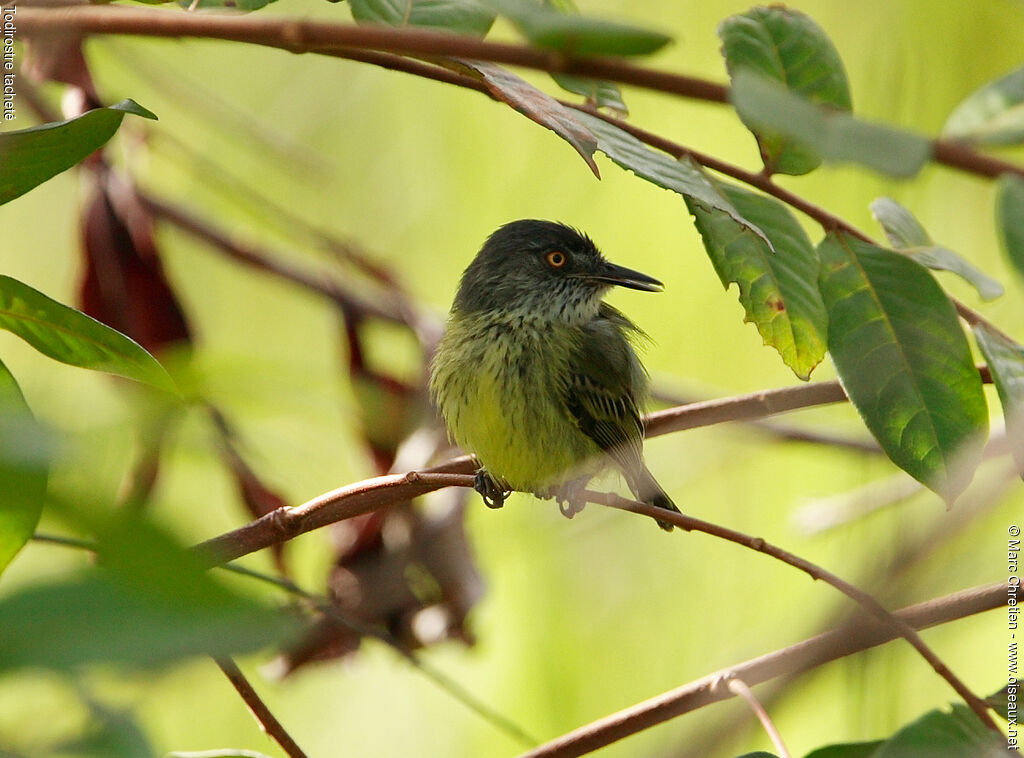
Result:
<point x="813" y="652"/>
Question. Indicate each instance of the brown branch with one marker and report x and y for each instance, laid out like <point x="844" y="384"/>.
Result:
<point x="811" y="653"/>
<point x="267" y="721"/>
<point x="689" y="523"/>
<point x="299" y="36"/>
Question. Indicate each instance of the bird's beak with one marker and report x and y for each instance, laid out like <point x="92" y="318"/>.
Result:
<point x="625" y="277"/>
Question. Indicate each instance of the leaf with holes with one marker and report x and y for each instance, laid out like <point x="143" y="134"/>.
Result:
<point x="992" y="115"/>
<point x="904" y="361"/>
<point x="71" y="337"/>
<point x="778" y="290"/>
<point x="462" y="16"/>
<point x="829" y="134"/>
<point x="1005" y="359"/>
<point x="788" y="47"/>
<point x="24" y="465"/>
<point x="906" y="234"/>
<point x="31" y="156"/>
<point x="681" y="176"/>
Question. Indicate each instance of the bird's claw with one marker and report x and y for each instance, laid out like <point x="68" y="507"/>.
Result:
<point x="493" y="493"/>
<point x="569" y="497"/>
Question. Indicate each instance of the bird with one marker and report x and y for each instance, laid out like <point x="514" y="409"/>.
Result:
<point x="537" y="376"/>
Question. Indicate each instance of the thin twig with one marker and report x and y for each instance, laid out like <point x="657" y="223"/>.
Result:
<point x="267" y="721"/>
<point x="739" y="687"/>
<point x="811" y="653"/>
<point x="689" y="523"/>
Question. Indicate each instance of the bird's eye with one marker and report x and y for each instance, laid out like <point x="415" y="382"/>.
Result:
<point x="555" y="259"/>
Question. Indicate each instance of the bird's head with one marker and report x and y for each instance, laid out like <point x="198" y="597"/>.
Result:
<point x="543" y="269"/>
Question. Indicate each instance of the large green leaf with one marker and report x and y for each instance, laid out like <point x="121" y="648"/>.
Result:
<point x="463" y="16"/>
<point x="849" y="750"/>
<point x="829" y="134"/>
<point x="1010" y="218"/>
<point x="682" y="176"/>
<point x="573" y="34"/>
<point x="992" y="115"/>
<point x="151" y="603"/>
<point x="1005" y="359"/>
<point x="71" y="337"/>
<point x="906" y="234"/>
<point x="31" y="156"/>
<point x="24" y="463"/>
<point x="904" y="361"/>
<point x="788" y="47"/>
<point x="778" y="290"/>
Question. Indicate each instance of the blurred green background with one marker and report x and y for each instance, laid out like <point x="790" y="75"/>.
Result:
<point x="580" y="618"/>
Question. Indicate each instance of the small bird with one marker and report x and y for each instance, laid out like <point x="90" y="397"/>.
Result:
<point x="537" y="376"/>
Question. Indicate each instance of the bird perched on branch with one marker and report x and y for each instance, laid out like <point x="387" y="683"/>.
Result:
<point x="537" y="376"/>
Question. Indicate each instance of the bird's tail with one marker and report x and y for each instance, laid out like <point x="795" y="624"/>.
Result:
<point x="647" y="490"/>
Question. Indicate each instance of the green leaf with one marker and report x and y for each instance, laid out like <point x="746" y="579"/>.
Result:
<point x="599" y="93"/>
<point x="907" y="235"/>
<point x="904" y="361"/>
<point x="778" y="290"/>
<point x="71" y="337"/>
<point x="992" y="115"/>
<point x="537" y="106"/>
<point x="788" y="47"/>
<point x="150" y="604"/>
<point x="1000" y="701"/>
<point x="462" y="16"/>
<point x="31" y="156"/>
<point x="959" y="734"/>
<point x="682" y="176"/>
<point x="1010" y="218"/>
<point x="828" y="134"/>
<point x="1005" y="359"/>
<point x="849" y="750"/>
<point x="573" y="34"/>
<point x="24" y="464"/>
<point x="108" y="734"/>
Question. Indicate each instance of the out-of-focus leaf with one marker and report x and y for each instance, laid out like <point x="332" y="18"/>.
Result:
<point x="109" y="734"/>
<point x="1000" y="701"/>
<point x="992" y="115"/>
<point x="786" y="46"/>
<point x="31" y="156"/>
<point x="24" y="464"/>
<point x="850" y="750"/>
<point x="759" y="754"/>
<point x="904" y="361"/>
<point x="1010" y="218"/>
<point x="573" y="34"/>
<point x="1005" y="359"/>
<point x="778" y="290"/>
<point x="682" y="176"/>
<point x="240" y="5"/>
<point x="71" y="337"/>
<point x="462" y="16"/>
<point x="906" y="234"/>
<point x="959" y="734"/>
<point x="599" y="93"/>
<point x="537" y="106"/>
<point x="151" y="603"/>
<point x="831" y="135"/>
<point x="124" y="284"/>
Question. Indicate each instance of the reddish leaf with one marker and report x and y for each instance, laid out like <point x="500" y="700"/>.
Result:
<point x="123" y="284"/>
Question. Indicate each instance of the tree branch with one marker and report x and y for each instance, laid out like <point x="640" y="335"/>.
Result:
<point x="267" y="721"/>
<point x="813" y="652"/>
<point x="739" y="687"/>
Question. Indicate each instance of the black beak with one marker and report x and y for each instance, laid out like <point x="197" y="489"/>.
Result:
<point x="625" y="277"/>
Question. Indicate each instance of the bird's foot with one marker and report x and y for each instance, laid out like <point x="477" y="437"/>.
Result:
<point x="492" y="491"/>
<point x="569" y="496"/>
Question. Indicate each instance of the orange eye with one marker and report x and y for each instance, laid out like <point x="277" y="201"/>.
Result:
<point x="555" y="259"/>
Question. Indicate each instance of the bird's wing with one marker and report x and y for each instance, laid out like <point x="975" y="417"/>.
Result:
<point x="605" y="386"/>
